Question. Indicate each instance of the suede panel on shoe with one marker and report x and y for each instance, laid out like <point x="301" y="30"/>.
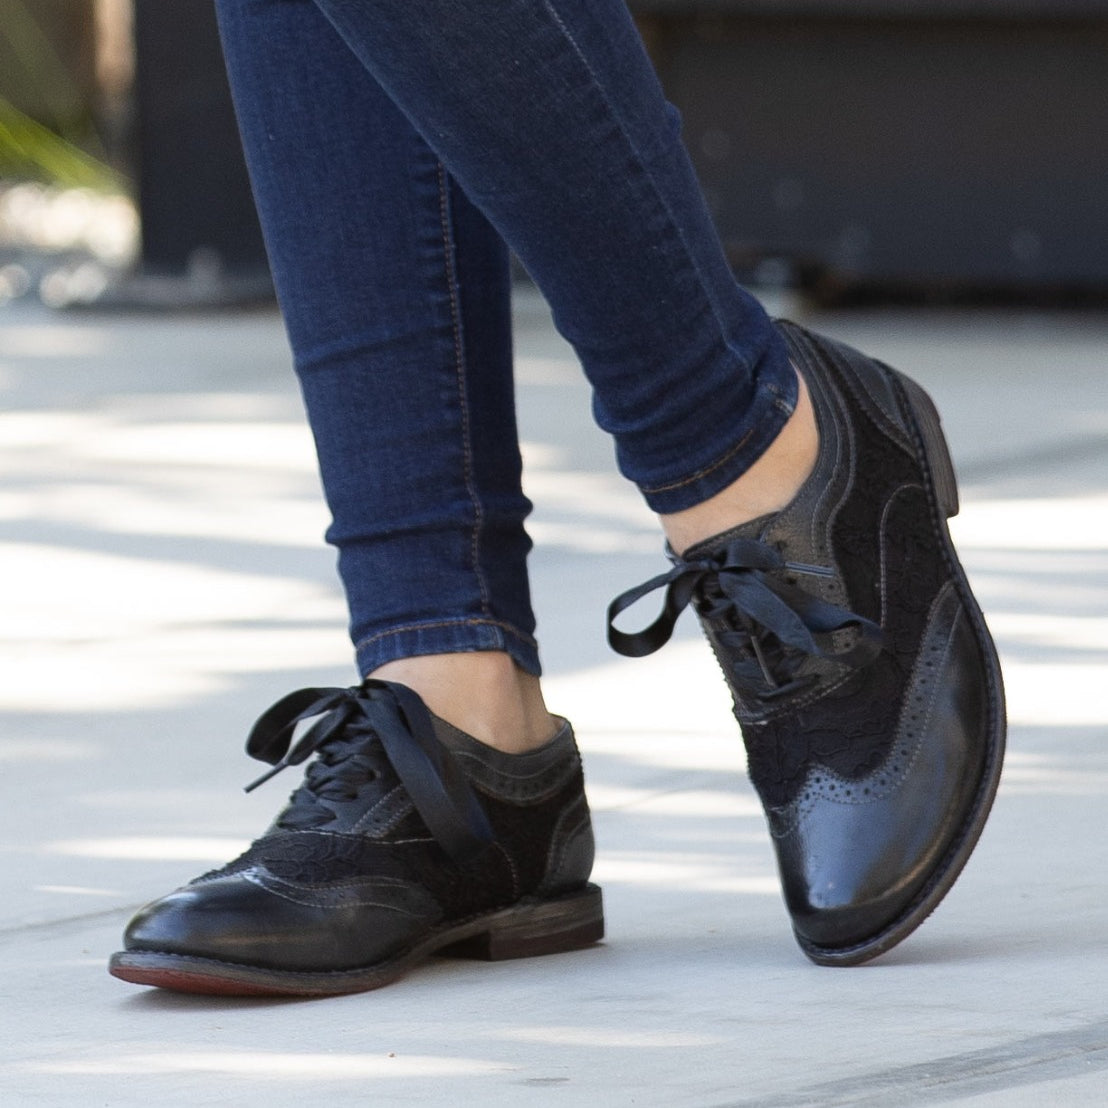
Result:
<point x="850" y="729"/>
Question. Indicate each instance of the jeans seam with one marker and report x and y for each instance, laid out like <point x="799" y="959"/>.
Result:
<point x="451" y="276"/>
<point x="701" y="473"/>
<point x="721" y="461"/>
<point x="427" y="625"/>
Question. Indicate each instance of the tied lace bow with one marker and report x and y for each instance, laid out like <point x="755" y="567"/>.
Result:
<point x="304" y="722"/>
<point x="737" y="587"/>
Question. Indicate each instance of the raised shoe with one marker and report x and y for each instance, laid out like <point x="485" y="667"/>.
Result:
<point x="864" y="679"/>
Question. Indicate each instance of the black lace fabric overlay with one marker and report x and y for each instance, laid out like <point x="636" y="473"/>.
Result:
<point x="851" y="728"/>
<point x="514" y="865"/>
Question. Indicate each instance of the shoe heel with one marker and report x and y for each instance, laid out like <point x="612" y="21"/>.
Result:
<point x="934" y="444"/>
<point x="541" y="927"/>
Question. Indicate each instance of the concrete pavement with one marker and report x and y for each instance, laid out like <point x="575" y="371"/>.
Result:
<point x="162" y="581"/>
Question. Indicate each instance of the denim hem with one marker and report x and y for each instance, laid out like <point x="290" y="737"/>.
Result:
<point x="448" y="637"/>
<point x="770" y="414"/>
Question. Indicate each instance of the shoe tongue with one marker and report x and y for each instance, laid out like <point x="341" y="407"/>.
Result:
<point x="330" y="777"/>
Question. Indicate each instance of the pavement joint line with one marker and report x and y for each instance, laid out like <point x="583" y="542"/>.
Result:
<point x="69" y="922"/>
<point x="1053" y="1056"/>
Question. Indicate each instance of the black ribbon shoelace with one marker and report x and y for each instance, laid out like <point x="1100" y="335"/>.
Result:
<point x="342" y="725"/>
<point x="740" y="594"/>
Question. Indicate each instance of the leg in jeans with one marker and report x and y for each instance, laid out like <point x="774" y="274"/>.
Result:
<point x="395" y="295"/>
<point x="678" y="353"/>
<point x="550" y="117"/>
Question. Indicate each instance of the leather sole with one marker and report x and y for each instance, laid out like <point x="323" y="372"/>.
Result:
<point x="526" y="929"/>
<point x="923" y="421"/>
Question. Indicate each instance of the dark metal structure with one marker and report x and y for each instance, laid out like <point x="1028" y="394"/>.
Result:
<point x="201" y="241"/>
<point x="939" y="144"/>
<point x="951" y="145"/>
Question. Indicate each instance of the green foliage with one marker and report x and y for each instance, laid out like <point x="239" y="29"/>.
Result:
<point x="30" y="150"/>
<point x="57" y="142"/>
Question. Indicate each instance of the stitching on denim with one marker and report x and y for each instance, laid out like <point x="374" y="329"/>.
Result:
<point x="432" y="624"/>
<point x="777" y="402"/>
<point x="700" y="473"/>
<point x="451" y="275"/>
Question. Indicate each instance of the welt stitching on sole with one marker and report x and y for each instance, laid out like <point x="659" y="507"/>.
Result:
<point x="381" y="973"/>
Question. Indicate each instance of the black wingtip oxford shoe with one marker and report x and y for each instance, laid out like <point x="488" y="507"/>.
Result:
<point x="407" y="838"/>
<point x="864" y="678"/>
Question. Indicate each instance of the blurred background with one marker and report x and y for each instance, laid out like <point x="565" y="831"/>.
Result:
<point x="121" y="178"/>
<point x="888" y="150"/>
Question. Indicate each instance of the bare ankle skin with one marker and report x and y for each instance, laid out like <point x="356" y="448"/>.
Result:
<point x="483" y="693"/>
<point x="768" y="486"/>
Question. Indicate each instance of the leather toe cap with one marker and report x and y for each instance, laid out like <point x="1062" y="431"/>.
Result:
<point x="856" y="855"/>
<point x="252" y="919"/>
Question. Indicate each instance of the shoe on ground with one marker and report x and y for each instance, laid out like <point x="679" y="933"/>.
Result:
<point x="864" y="678"/>
<point x="407" y="838"/>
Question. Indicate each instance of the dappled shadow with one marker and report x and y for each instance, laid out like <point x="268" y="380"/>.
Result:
<point x="160" y="592"/>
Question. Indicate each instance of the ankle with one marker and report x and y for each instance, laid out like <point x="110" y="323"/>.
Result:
<point x="766" y="487"/>
<point x="483" y="693"/>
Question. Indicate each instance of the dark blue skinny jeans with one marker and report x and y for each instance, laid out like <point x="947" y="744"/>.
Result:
<point x="395" y="147"/>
